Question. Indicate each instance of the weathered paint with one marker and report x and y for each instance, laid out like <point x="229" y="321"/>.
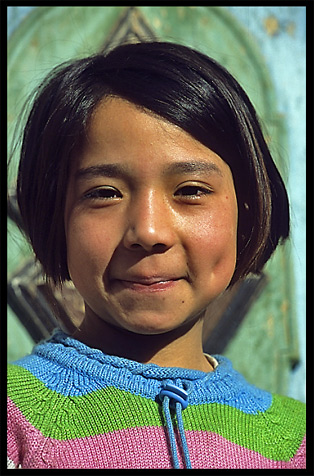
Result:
<point x="53" y="34"/>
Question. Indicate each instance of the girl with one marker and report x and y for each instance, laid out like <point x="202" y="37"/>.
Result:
<point x="145" y="179"/>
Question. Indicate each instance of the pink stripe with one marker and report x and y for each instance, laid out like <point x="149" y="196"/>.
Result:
<point x="123" y="450"/>
<point x="224" y="454"/>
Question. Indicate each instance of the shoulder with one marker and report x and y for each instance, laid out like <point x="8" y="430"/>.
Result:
<point x="282" y="430"/>
<point x="28" y="372"/>
<point x="26" y="386"/>
<point x="20" y="376"/>
<point x="288" y="407"/>
<point x="37" y="389"/>
<point x="287" y="414"/>
<point x="29" y="378"/>
<point x="272" y="425"/>
<point x="49" y="365"/>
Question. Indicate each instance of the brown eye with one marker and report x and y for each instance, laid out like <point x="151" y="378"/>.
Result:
<point x="103" y="193"/>
<point x="192" y="191"/>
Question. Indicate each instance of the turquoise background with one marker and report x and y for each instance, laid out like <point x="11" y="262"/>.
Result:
<point x="280" y="35"/>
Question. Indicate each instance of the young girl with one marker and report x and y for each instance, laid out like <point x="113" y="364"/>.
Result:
<point x="145" y="179"/>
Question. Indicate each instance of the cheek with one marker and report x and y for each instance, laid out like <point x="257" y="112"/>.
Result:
<point x="215" y="243"/>
<point x="88" y="247"/>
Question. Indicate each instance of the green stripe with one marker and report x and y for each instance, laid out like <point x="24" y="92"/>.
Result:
<point x="278" y="440"/>
<point x="61" y="417"/>
<point x="111" y="409"/>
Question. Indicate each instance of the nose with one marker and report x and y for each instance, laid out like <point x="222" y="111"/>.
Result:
<point x="150" y="224"/>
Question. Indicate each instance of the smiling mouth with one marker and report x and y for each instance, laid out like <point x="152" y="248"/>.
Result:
<point x="149" y="284"/>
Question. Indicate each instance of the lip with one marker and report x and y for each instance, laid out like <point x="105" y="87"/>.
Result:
<point x="148" y="284"/>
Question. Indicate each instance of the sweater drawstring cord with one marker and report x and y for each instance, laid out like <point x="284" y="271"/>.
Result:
<point x="175" y="397"/>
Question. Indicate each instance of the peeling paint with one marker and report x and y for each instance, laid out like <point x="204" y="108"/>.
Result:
<point x="270" y="326"/>
<point x="284" y="306"/>
<point x="157" y="23"/>
<point x="181" y="12"/>
<point x="290" y="28"/>
<point x="271" y="25"/>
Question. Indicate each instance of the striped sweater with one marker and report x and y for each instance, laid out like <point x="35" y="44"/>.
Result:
<point x="70" y="406"/>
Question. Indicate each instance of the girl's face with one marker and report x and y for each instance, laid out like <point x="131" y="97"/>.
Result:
<point x="151" y="222"/>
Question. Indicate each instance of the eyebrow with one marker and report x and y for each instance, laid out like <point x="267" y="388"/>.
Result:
<point x="102" y="170"/>
<point x="194" y="167"/>
<point x="123" y="171"/>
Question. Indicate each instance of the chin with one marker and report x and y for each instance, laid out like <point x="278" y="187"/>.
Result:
<point x="157" y="326"/>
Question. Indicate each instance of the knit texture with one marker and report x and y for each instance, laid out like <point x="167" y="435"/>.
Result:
<point x="70" y="406"/>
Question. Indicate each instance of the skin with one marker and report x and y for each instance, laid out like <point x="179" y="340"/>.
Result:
<point x="151" y="227"/>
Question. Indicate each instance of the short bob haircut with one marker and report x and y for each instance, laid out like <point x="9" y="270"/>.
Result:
<point x="178" y="84"/>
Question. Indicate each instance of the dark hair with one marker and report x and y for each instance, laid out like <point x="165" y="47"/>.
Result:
<point x="177" y="83"/>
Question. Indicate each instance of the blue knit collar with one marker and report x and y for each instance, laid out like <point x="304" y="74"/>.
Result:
<point x="82" y="354"/>
<point x="94" y="368"/>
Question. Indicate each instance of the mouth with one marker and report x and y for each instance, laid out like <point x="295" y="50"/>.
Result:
<point x="148" y="284"/>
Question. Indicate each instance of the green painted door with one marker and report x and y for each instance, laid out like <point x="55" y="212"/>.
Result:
<point x="263" y="346"/>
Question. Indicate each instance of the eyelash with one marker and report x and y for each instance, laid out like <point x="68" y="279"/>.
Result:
<point x="104" y="193"/>
<point x="187" y="192"/>
<point x="193" y="191"/>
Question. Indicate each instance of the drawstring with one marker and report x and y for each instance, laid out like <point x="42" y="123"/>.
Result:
<point x="183" y="438"/>
<point x="170" y="394"/>
<point x="166" y="409"/>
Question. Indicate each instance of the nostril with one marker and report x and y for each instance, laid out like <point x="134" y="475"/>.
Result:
<point x="156" y="248"/>
<point x="160" y="246"/>
<point x="135" y="245"/>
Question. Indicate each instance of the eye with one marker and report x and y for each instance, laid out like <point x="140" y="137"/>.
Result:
<point x="103" y="193"/>
<point x="192" y="192"/>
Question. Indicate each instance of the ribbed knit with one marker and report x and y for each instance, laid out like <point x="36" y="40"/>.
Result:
<point x="70" y="406"/>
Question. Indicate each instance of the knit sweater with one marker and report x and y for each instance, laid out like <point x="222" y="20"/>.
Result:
<point x="71" y="406"/>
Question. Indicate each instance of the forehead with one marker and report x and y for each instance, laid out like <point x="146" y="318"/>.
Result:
<point x="120" y="132"/>
<point x="115" y="116"/>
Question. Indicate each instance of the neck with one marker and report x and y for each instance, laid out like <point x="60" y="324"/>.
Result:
<point x="180" y="347"/>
